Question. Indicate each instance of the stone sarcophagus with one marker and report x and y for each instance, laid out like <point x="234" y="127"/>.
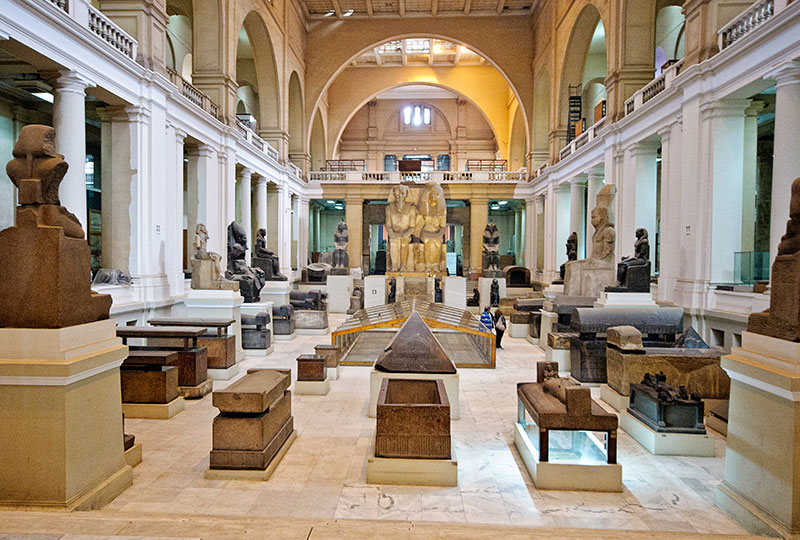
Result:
<point x="664" y="408"/>
<point x="313" y="300"/>
<point x="413" y="420"/>
<point x="563" y="306"/>
<point x="658" y="325"/>
<point x="311" y="367"/>
<point x="254" y="421"/>
<point x="283" y="320"/>
<point x="697" y="368"/>
<point x="255" y="332"/>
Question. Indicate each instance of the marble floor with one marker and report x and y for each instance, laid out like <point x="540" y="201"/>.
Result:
<point x="322" y="478"/>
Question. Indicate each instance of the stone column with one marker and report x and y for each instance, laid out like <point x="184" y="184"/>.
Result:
<point x="641" y="204"/>
<point x="295" y="230"/>
<point x="786" y="163"/>
<point x="174" y="262"/>
<point x="304" y="228"/>
<point x="530" y="235"/>
<point x="261" y="204"/>
<point x="577" y="218"/>
<point x="478" y="218"/>
<point x="354" y="217"/>
<point x="750" y="178"/>
<point x="595" y="179"/>
<point x="550" y="268"/>
<point x="669" y="262"/>
<point x="538" y="216"/>
<point x="284" y="229"/>
<point x="69" y="121"/>
<point x="244" y="217"/>
<point x="561" y="220"/>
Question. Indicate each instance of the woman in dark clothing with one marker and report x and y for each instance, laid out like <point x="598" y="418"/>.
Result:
<point x="499" y="327"/>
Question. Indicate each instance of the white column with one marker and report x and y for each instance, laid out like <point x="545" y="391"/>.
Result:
<point x="613" y="165"/>
<point x="577" y="218"/>
<point x="284" y="223"/>
<point x="261" y="203"/>
<point x="671" y="234"/>
<point x="227" y="194"/>
<point x="595" y="184"/>
<point x="243" y="211"/>
<point x="786" y="163"/>
<point x="561" y="221"/>
<point x="304" y="226"/>
<point x="69" y="121"/>
<point x="174" y="220"/>
<point x="540" y="224"/>
<point x="750" y="176"/>
<point x="530" y="235"/>
<point x="638" y="196"/>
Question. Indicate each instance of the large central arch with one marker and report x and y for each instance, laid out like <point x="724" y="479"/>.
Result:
<point x="332" y="45"/>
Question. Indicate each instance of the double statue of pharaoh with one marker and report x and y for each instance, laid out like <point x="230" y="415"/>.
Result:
<point x="431" y="223"/>
<point x="415" y="227"/>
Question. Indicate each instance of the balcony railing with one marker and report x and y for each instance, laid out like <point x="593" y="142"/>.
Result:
<point x="250" y="136"/>
<point x="750" y="19"/>
<point x="653" y="88"/>
<point x="419" y="177"/>
<point x="539" y="171"/>
<point x="193" y="94"/>
<point x="583" y="139"/>
<point x="61" y="4"/>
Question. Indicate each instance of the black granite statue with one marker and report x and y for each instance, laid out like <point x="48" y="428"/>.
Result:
<point x="494" y="294"/>
<point x="392" y="291"/>
<point x="250" y="279"/>
<point x="491" y="254"/>
<point x="633" y="273"/>
<point x="341" y="260"/>
<point x="476" y="298"/>
<point x="437" y="290"/>
<point x="572" y="252"/>
<point x="267" y="260"/>
<point x="311" y="300"/>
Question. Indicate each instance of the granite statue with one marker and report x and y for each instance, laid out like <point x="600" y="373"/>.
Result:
<point x="392" y="296"/>
<point x="494" y="294"/>
<point x="311" y="300"/>
<point x="316" y="272"/>
<point x="633" y="273"/>
<point x="266" y="259"/>
<point x="437" y="290"/>
<point x="491" y="255"/>
<point x="475" y="299"/>
<point x="782" y="319"/>
<point x="572" y="252"/>
<point x="589" y="277"/>
<point x="431" y="223"/>
<point x="356" y="300"/>
<point x="251" y="280"/>
<point x="206" y="273"/>
<point x="401" y="220"/>
<point x="45" y="269"/>
<point x="341" y="260"/>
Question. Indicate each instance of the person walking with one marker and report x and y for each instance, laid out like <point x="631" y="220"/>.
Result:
<point x="499" y="327"/>
<point x="486" y="319"/>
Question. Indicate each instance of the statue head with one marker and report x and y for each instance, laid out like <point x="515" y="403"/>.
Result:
<point x="641" y="234"/>
<point x="237" y="233"/>
<point x="433" y="200"/>
<point x="201" y="230"/>
<point x="262" y="233"/>
<point x="605" y="196"/>
<point x="397" y="196"/>
<point x="490" y="229"/>
<point x="342" y="226"/>
<point x="600" y="217"/>
<point x="37" y="169"/>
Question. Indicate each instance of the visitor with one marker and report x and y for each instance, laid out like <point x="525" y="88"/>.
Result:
<point x="486" y="319"/>
<point x="499" y="327"/>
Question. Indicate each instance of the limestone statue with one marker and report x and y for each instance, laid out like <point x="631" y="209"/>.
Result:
<point x="206" y="273"/>
<point x="633" y="273"/>
<point x="356" y="300"/>
<point x="341" y="260"/>
<point x="431" y="224"/>
<point x="45" y="268"/>
<point x="401" y="220"/>
<point x="589" y="277"/>
<point x="251" y="280"/>
<point x="491" y="255"/>
<point x="267" y="260"/>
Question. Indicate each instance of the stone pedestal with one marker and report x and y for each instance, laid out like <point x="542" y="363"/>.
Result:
<point x="215" y="303"/>
<point x="485" y="288"/>
<point x="340" y="288"/>
<point x="451" y="385"/>
<point x="625" y="299"/>
<point x="311" y="322"/>
<point x="411" y="471"/>
<point x="374" y="291"/>
<point x="61" y="417"/>
<point x="276" y="292"/>
<point x="666" y="444"/>
<point x="455" y="292"/>
<point x="761" y="489"/>
<point x="518" y="330"/>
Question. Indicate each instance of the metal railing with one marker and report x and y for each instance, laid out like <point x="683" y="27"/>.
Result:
<point x="582" y="139"/>
<point x="653" y="88"/>
<point x="420" y="177"/>
<point x="750" y="19"/>
<point x="111" y="33"/>
<point x="193" y="94"/>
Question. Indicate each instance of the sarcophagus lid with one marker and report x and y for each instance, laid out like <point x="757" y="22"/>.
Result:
<point x="414" y="349"/>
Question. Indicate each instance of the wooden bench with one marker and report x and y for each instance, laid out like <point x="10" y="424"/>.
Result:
<point x="221" y="346"/>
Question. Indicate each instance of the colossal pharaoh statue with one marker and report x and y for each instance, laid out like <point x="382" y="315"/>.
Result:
<point x="589" y="277"/>
<point x="341" y="260"/>
<point x="401" y="219"/>
<point x="431" y="223"/>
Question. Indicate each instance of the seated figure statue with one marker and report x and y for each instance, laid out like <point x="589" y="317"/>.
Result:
<point x="572" y="252"/>
<point x="251" y="280"/>
<point x="206" y="273"/>
<point x="267" y="260"/>
<point x="633" y="273"/>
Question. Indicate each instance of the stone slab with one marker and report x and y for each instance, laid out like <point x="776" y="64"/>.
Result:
<point x="625" y="299"/>
<point x="133" y="455"/>
<point x="154" y="411"/>
<point x="455" y="292"/>
<point x="265" y="306"/>
<point x="412" y="472"/>
<point x="242" y="474"/>
<point x="558" y="340"/>
<point x="156" y="385"/>
<point x="252" y="459"/>
<point x="605" y="477"/>
<point x="251" y="432"/>
<point x="312" y="388"/>
<point x="224" y="374"/>
<point x="254" y="393"/>
<point x="374" y="291"/>
<point x="311" y="367"/>
<point x="218" y="304"/>
<point x="308" y="319"/>
<point x="340" y="288"/>
<point x="196" y="392"/>
<point x="666" y="444"/>
<point x="485" y="288"/>
<point x="451" y="384"/>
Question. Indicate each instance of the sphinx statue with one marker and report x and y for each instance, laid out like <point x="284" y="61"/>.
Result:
<point x="206" y="273"/>
<point x="491" y="255"/>
<point x="431" y="223"/>
<point x="251" y="280"/>
<point x="45" y="269"/>
<point x="589" y="277"/>
<point x="267" y="260"/>
<point x="341" y="260"/>
<point x="401" y="221"/>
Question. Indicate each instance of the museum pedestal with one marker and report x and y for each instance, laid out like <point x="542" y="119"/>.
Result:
<point x="253" y="310"/>
<point x="277" y="292"/>
<point x="666" y="444"/>
<point x="223" y="304"/>
<point x="61" y="417"/>
<point x="560" y="356"/>
<point x="340" y="288"/>
<point x="250" y="474"/>
<point x="450" y="380"/>
<point x="312" y="388"/>
<point x="625" y="299"/>
<point x="761" y="488"/>
<point x="310" y="322"/>
<point x="412" y="472"/>
<point x="485" y="289"/>
<point x="455" y="292"/>
<point x="518" y="330"/>
<point x="374" y="291"/>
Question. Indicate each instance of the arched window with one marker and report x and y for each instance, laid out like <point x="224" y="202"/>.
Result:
<point x="416" y="115"/>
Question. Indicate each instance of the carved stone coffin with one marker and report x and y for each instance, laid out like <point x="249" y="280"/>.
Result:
<point x="255" y="333"/>
<point x="517" y="276"/>
<point x="414" y="349"/>
<point x="563" y="306"/>
<point x="413" y="420"/>
<point x="149" y="376"/>
<point x="673" y="415"/>
<point x="310" y="319"/>
<point x="528" y="304"/>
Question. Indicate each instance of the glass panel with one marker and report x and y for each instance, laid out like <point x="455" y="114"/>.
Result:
<point x="426" y="116"/>
<point x="573" y="447"/>
<point x="407" y="114"/>
<point x="417" y="115"/>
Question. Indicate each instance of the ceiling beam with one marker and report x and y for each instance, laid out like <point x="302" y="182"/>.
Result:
<point x="434" y="7"/>
<point x="467" y="7"/>
<point x="378" y="58"/>
<point x="457" y="58"/>
<point x="500" y="5"/>
<point x="337" y="8"/>
<point x="401" y="7"/>
<point x="403" y="57"/>
<point x="370" y="11"/>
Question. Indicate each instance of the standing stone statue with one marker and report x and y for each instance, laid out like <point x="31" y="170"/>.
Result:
<point x="341" y="260"/>
<point x="267" y="260"/>
<point x="494" y="294"/>
<point x="431" y="223"/>
<point x="206" y="273"/>
<point x="572" y="251"/>
<point x="250" y="279"/>
<point x="356" y="300"/>
<point x="633" y="273"/>
<point x="491" y="255"/>
<point x="392" y="296"/>
<point x="589" y="277"/>
<point x="401" y="219"/>
<point x="45" y="271"/>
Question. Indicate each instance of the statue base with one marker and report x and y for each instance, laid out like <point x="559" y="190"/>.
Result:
<point x="493" y="274"/>
<point x="339" y="272"/>
<point x="203" y="277"/>
<point x="266" y="266"/>
<point x="636" y="280"/>
<point x="221" y="303"/>
<point x="339" y="288"/>
<point x="782" y="320"/>
<point x="485" y="289"/>
<point x="588" y="277"/>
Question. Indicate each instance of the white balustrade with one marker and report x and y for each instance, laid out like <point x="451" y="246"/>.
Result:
<point x="750" y="19"/>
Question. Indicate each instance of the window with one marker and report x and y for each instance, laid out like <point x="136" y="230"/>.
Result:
<point x="389" y="162"/>
<point x="416" y="115"/>
<point x="443" y="162"/>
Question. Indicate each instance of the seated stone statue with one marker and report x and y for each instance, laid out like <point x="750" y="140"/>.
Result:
<point x="251" y="280"/>
<point x="476" y="298"/>
<point x="311" y="300"/>
<point x="491" y="247"/>
<point x="206" y="274"/>
<point x="633" y="273"/>
<point x="341" y="260"/>
<point x="356" y="300"/>
<point x="267" y="260"/>
<point x="572" y="252"/>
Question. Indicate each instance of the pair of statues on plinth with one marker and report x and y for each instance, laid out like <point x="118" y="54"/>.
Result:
<point x="415" y="224"/>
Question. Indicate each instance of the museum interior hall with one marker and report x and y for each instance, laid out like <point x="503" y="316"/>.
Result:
<point x="343" y="269"/>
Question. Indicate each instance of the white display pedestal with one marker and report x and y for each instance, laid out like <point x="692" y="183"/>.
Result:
<point x="333" y="373"/>
<point x="61" y="417"/>
<point x="374" y="291"/>
<point x="312" y="388"/>
<point x="485" y="289"/>
<point x="450" y="380"/>
<point x="215" y="303"/>
<point x="625" y="299"/>
<point x="566" y="476"/>
<point x="340" y="288"/>
<point x="412" y="472"/>
<point x="561" y="357"/>
<point x="553" y="290"/>
<point x="455" y="292"/>
<point x="276" y="292"/>
<point x="666" y="444"/>
<point x="158" y="411"/>
<point x="518" y="330"/>
<point x="549" y="318"/>
<point x="254" y="309"/>
<point x="761" y="488"/>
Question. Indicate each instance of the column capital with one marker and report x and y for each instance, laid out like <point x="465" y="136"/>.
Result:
<point x="595" y="174"/>
<point x="201" y="150"/>
<point x="563" y="187"/>
<point x="261" y="180"/>
<point x="644" y="148"/>
<point x="755" y="108"/>
<point x="180" y="134"/>
<point x="730" y="108"/>
<point x="578" y="181"/>
<point x="245" y="172"/>
<point x="70" y="81"/>
<point x="788" y="73"/>
<point x="540" y="197"/>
